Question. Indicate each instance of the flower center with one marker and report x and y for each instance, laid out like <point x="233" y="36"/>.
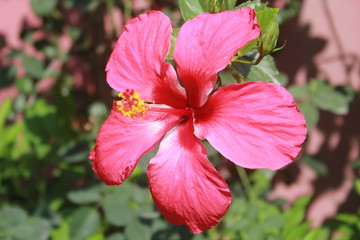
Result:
<point x="131" y="105"/>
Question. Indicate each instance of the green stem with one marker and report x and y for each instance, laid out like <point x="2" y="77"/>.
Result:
<point x="250" y="63"/>
<point x="245" y="181"/>
<point x="239" y="78"/>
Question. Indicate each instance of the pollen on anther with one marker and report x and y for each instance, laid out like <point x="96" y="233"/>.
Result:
<point x="131" y="105"/>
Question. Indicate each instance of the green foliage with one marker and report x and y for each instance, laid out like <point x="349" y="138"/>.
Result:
<point x="117" y="209"/>
<point x="346" y="225"/>
<point x="291" y="10"/>
<point x="260" y="219"/>
<point x="257" y="5"/>
<point x="266" y="17"/>
<point x="229" y="4"/>
<point x="320" y="95"/>
<point x="326" y="97"/>
<point x="172" y="46"/>
<point x="84" y="196"/>
<point x="246" y="49"/>
<point x="265" y="71"/>
<point x="191" y="8"/>
<point x="84" y="222"/>
<point x="34" y="68"/>
<point x="5" y="108"/>
<point x="25" y="85"/>
<point x="138" y="231"/>
<point x="318" y="234"/>
<point x="310" y="112"/>
<point x="318" y="166"/>
<point x="16" y="224"/>
<point x="7" y="75"/>
<point x="43" y="7"/>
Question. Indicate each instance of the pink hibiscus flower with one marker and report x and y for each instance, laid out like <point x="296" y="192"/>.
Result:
<point x="253" y="124"/>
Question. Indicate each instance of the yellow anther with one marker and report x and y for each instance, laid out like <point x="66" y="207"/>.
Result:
<point x="131" y="105"/>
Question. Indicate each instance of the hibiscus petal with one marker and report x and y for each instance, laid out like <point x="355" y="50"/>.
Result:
<point x="253" y="124"/>
<point x="206" y="44"/>
<point x="122" y="141"/>
<point x="185" y="187"/>
<point x="137" y="61"/>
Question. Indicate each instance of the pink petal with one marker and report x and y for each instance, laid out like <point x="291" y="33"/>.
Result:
<point x="122" y="141"/>
<point x="206" y="44"/>
<point x="253" y="124"/>
<point x="185" y="187"/>
<point x="137" y="61"/>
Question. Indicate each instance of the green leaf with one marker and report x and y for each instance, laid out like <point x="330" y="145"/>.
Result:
<point x="40" y="229"/>
<point x="116" y="236"/>
<point x="5" y="108"/>
<point x="137" y="231"/>
<point x="357" y="186"/>
<point x="43" y="7"/>
<point x="291" y="10"/>
<point x="34" y="68"/>
<point x="230" y="4"/>
<point x="140" y="194"/>
<point x="248" y="48"/>
<point x="298" y="232"/>
<point x="299" y="91"/>
<point x="203" y="237"/>
<point x="350" y="219"/>
<point x="62" y="232"/>
<point x="25" y="85"/>
<point x="84" y="222"/>
<point x="256" y="232"/>
<point x="347" y="91"/>
<point x="295" y="215"/>
<point x="98" y="236"/>
<point x="12" y="217"/>
<point x="261" y="181"/>
<point x="328" y="98"/>
<point x="15" y="224"/>
<point x="266" y="17"/>
<point x="265" y="71"/>
<point x="37" y="228"/>
<point x="172" y="46"/>
<point x="274" y="221"/>
<point x="84" y="196"/>
<point x="117" y="209"/>
<point x="191" y="8"/>
<point x="9" y="136"/>
<point x="317" y="165"/>
<point x="20" y="103"/>
<point x="257" y="5"/>
<point x="318" y="234"/>
<point x="252" y="211"/>
<point x="311" y="114"/>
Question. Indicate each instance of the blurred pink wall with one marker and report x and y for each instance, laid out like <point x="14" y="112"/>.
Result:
<point x="14" y="14"/>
